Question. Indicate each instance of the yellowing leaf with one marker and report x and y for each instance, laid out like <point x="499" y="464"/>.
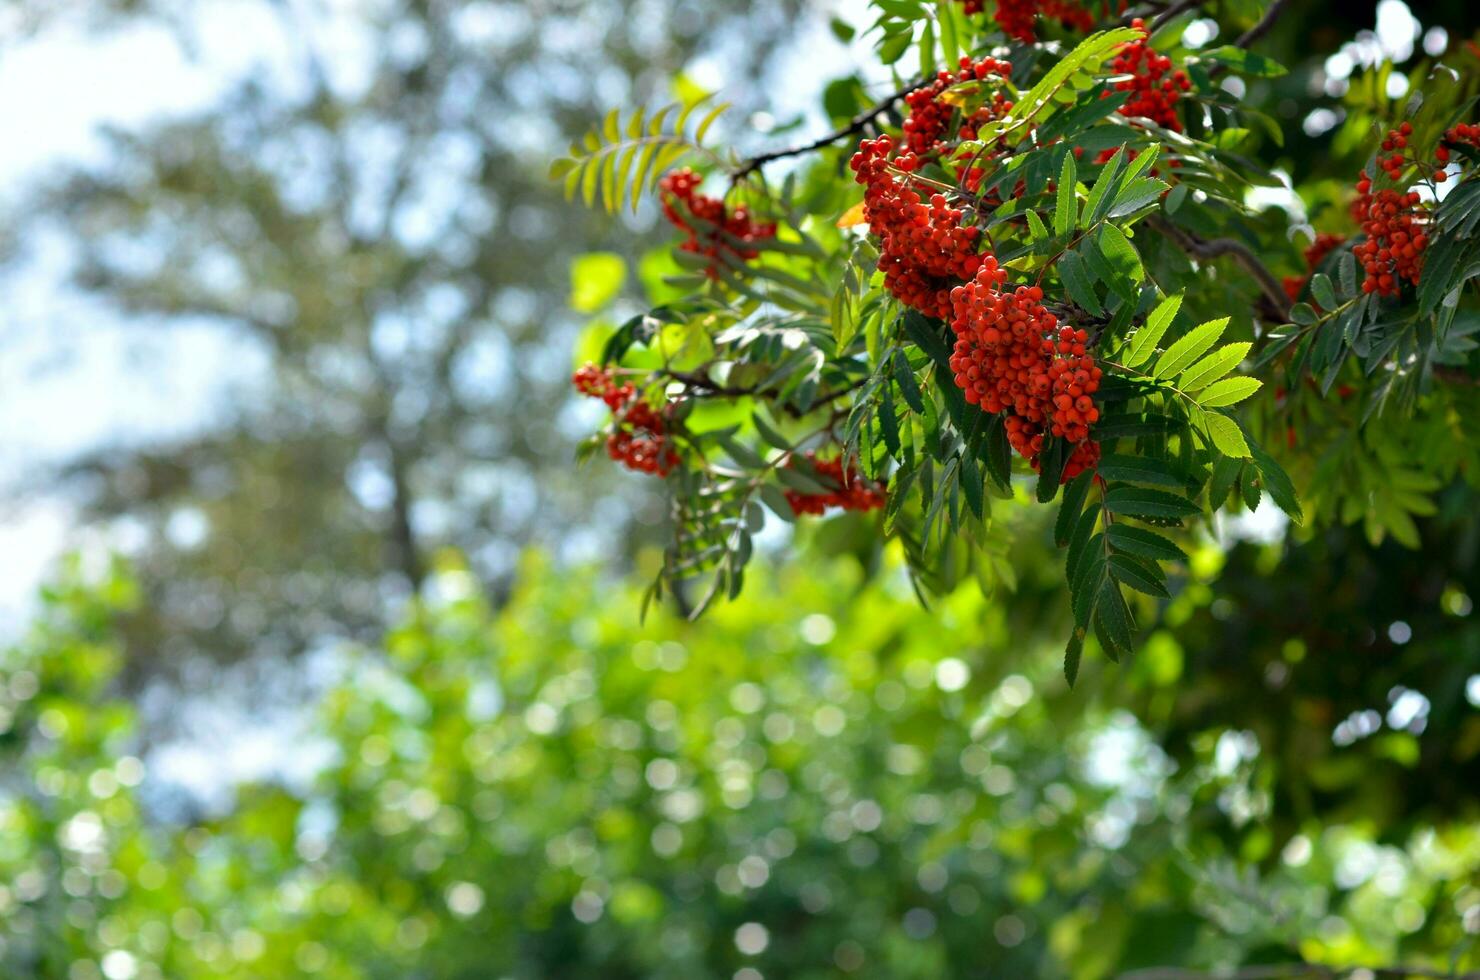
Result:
<point x="853" y="217"/>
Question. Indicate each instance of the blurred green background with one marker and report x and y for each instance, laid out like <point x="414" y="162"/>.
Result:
<point x="346" y="678"/>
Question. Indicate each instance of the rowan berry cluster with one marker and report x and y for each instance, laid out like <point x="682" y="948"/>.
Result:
<point x="1394" y="162"/>
<point x="1315" y="254"/>
<point x="1395" y="226"/>
<point x="1017" y="18"/>
<point x="597" y="382"/>
<point x="852" y="491"/>
<point x="732" y="231"/>
<point x="639" y="438"/>
<point x="1464" y="133"/>
<point x="1155" y="87"/>
<point x="924" y="249"/>
<point x="1011" y="355"/>
<point x="930" y="116"/>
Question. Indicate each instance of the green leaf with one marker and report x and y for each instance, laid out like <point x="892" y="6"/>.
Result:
<point x="1140" y="541"/>
<point x="893" y="47"/>
<point x="776" y="500"/>
<point x="1138" y="469"/>
<point x="1114" y="618"/>
<point x="1324" y="292"/>
<point x="1072" y="655"/>
<point x="1073" y="272"/>
<point x="1108" y="176"/>
<point x="1225" y="473"/>
<point x="889" y="420"/>
<point x="1214" y="366"/>
<point x="769" y="434"/>
<point x="1084" y="588"/>
<point x="1084" y="529"/>
<point x="1036" y="228"/>
<point x="908" y="387"/>
<point x="1132" y="572"/>
<point x="972" y="484"/>
<point x="1277" y="482"/>
<point x="1066" y="213"/>
<point x="1189" y="348"/>
<point x="1226" y="435"/>
<point x="1143" y="343"/>
<point x="1074" y="494"/>
<point x="1243" y="61"/>
<point x="1051" y="468"/>
<point x="997" y="453"/>
<point x="1136" y="195"/>
<point x="595" y="280"/>
<point x="1121" y="254"/>
<point x="1146" y="502"/>
<point x="1229" y="391"/>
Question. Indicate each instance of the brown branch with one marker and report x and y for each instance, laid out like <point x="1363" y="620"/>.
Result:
<point x="704" y="383"/>
<point x="855" y="126"/>
<point x="1172" y="11"/>
<point x="1454" y="375"/>
<point x="1272" y="292"/>
<point x="1271" y="13"/>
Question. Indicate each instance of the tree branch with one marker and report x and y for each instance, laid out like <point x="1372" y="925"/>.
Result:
<point x="1271" y="13"/>
<point x="702" y="382"/>
<point x="855" y="126"/>
<point x="1272" y="292"/>
<point x="1171" y="11"/>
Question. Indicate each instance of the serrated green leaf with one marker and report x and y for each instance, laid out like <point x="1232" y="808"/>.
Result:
<point x="1225" y="435"/>
<point x="1324" y="292"/>
<point x="1084" y="529"/>
<point x="908" y="387"/>
<point x="1109" y="174"/>
<point x="1130" y="571"/>
<point x="1136" y="195"/>
<point x="1189" y="348"/>
<point x="1143" y="343"/>
<point x="1277" y="482"/>
<point x="1084" y="588"/>
<point x="1146" y="502"/>
<point x="1213" y="367"/>
<point x="1076" y="277"/>
<point x="1075" y="492"/>
<point x="1229" y="391"/>
<point x="1073" y="653"/>
<point x="1037" y="230"/>
<point x="1121" y="254"/>
<point x="1138" y="469"/>
<point x="1111" y="614"/>
<point x="1140" y="541"/>
<point x="1066" y="213"/>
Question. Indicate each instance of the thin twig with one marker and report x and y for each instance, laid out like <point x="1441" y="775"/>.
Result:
<point x="1271" y="13"/>
<point x="1211" y="248"/>
<point x="1172" y="11"/>
<point x="702" y="382"/>
<point x="855" y="126"/>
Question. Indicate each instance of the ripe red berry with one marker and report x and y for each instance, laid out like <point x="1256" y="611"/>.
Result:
<point x="851" y="491"/>
<point x="682" y="203"/>
<point x="1013" y="356"/>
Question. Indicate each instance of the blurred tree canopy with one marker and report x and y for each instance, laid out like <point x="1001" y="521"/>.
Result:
<point x="367" y="217"/>
<point x="821" y="779"/>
